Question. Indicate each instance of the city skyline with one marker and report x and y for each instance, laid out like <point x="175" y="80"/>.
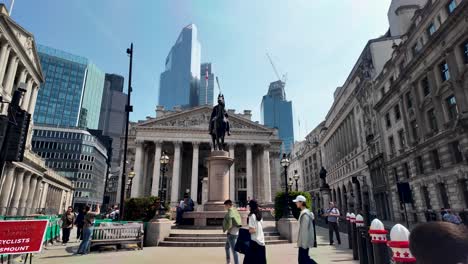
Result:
<point x="237" y="48"/>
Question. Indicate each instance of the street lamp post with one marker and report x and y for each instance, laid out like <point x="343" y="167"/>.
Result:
<point x="131" y="175"/>
<point x="128" y="109"/>
<point x="164" y="160"/>
<point x="296" y="178"/>
<point x="285" y="164"/>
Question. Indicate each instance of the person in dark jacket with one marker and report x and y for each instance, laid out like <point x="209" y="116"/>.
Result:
<point x="79" y="222"/>
<point x="68" y="219"/>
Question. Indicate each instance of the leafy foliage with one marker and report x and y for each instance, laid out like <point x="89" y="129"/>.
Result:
<point x="140" y="209"/>
<point x="279" y="203"/>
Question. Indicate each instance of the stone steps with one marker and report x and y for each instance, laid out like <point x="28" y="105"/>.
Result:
<point x="199" y="238"/>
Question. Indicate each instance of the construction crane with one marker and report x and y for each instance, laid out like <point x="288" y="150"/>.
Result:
<point x="285" y="76"/>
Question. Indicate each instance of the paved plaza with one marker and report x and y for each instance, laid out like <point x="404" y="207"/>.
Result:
<point x="276" y="254"/>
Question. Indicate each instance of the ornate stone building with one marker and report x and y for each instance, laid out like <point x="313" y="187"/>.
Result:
<point x="28" y="186"/>
<point x="183" y="136"/>
<point x="421" y="98"/>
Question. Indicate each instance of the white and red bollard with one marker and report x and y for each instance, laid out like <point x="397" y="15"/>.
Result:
<point x="378" y="236"/>
<point x="349" y="228"/>
<point x="399" y="244"/>
<point x="352" y="219"/>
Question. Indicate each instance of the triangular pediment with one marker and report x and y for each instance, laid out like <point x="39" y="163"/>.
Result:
<point x="199" y="117"/>
<point x="24" y="44"/>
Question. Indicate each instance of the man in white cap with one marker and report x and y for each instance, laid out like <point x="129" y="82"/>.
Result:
<point x="306" y="231"/>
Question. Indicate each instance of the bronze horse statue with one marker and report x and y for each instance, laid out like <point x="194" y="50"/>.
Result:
<point x="219" y="124"/>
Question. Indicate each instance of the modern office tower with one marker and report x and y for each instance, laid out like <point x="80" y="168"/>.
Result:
<point x="207" y="83"/>
<point x="76" y="154"/>
<point x="277" y="113"/>
<point x="179" y="83"/>
<point x="112" y="124"/>
<point x="72" y="92"/>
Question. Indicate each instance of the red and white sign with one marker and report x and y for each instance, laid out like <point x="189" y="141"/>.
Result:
<point x="25" y="236"/>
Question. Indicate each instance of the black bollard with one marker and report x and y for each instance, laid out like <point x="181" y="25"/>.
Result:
<point x="362" y="247"/>
<point x="349" y="229"/>
<point x="355" y="243"/>
<point x="378" y="238"/>
<point x="370" y="252"/>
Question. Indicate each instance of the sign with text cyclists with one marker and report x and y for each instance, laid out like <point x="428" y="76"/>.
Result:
<point x="22" y="236"/>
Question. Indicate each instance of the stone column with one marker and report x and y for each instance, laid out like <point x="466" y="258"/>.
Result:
<point x="13" y="209"/>
<point x="266" y="174"/>
<point x="138" y="169"/>
<point x="45" y="191"/>
<point x="194" y="184"/>
<point x="37" y="196"/>
<point x="438" y="111"/>
<point x="10" y="75"/>
<point x="248" y="162"/>
<point x="32" y="102"/>
<point x="458" y="90"/>
<point x="9" y="174"/>
<point x="27" y="95"/>
<point x="32" y="190"/>
<point x="4" y="54"/>
<point x="232" y="173"/>
<point x="176" y="174"/>
<point x="420" y="120"/>
<point x="156" y="168"/>
<point x="24" y="193"/>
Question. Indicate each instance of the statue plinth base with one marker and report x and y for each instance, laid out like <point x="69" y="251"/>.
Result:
<point x="218" y="165"/>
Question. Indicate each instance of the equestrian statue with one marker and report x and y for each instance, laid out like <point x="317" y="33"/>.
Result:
<point x="219" y="124"/>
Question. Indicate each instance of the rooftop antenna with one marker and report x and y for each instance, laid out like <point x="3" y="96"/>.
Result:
<point x="11" y="7"/>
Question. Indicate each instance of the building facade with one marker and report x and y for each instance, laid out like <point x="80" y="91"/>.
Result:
<point x="422" y="103"/>
<point x="29" y="186"/>
<point x="206" y="95"/>
<point x="77" y="155"/>
<point x="112" y="124"/>
<point x="179" y="83"/>
<point x="276" y="112"/>
<point x="72" y="92"/>
<point x="183" y="136"/>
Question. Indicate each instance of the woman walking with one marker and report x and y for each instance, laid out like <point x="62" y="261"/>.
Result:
<point x="256" y="253"/>
<point x="88" y="228"/>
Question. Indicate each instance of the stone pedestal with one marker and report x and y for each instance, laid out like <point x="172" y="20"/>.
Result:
<point x="218" y="180"/>
<point x="156" y="231"/>
<point x="288" y="228"/>
<point x="325" y="192"/>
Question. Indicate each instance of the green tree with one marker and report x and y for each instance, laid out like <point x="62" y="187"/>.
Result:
<point x="279" y="203"/>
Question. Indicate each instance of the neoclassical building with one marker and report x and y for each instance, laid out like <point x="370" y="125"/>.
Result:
<point x="183" y="136"/>
<point x="29" y="186"/>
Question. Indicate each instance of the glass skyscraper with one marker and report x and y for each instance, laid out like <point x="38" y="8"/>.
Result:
<point x="277" y="113"/>
<point x="72" y="92"/>
<point x="207" y="84"/>
<point x="179" y="83"/>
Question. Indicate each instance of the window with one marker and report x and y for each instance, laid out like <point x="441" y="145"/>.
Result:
<point x="427" y="199"/>
<point x="444" y="71"/>
<point x="465" y="51"/>
<point x="431" y="118"/>
<point x="391" y="144"/>
<point x="443" y="195"/>
<point x="401" y="137"/>
<point x="395" y="173"/>
<point x="419" y="164"/>
<point x="396" y="109"/>
<point x="436" y="159"/>
<point x="406" y="169"/>
<point x="456" y="152"/>
<point x="451" y="107"/>
<point x="409" y="100"/>
<point x="426" y="88"/>
<point x="451" y="6"/>
<point x="431" y="29"/>
<point x="388" y="120"/>
<point x="464" y="189"/>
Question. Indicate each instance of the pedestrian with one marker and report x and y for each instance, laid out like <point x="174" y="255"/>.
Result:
<point x="256" y="253"/>
<point x="305" y="237"/>
<point x="88" y="228"/>
<point x="448" y="216"/>
<point x="79" y="222"/>
<point x="68" y="219"/>
<point x="439" y="242"/>
<point x="333" y="214"/>
<point x="185" y="205"/>
<point x="231" y="224"/>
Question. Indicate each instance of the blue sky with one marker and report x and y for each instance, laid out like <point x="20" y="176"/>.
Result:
<point x="315" y="42"/>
